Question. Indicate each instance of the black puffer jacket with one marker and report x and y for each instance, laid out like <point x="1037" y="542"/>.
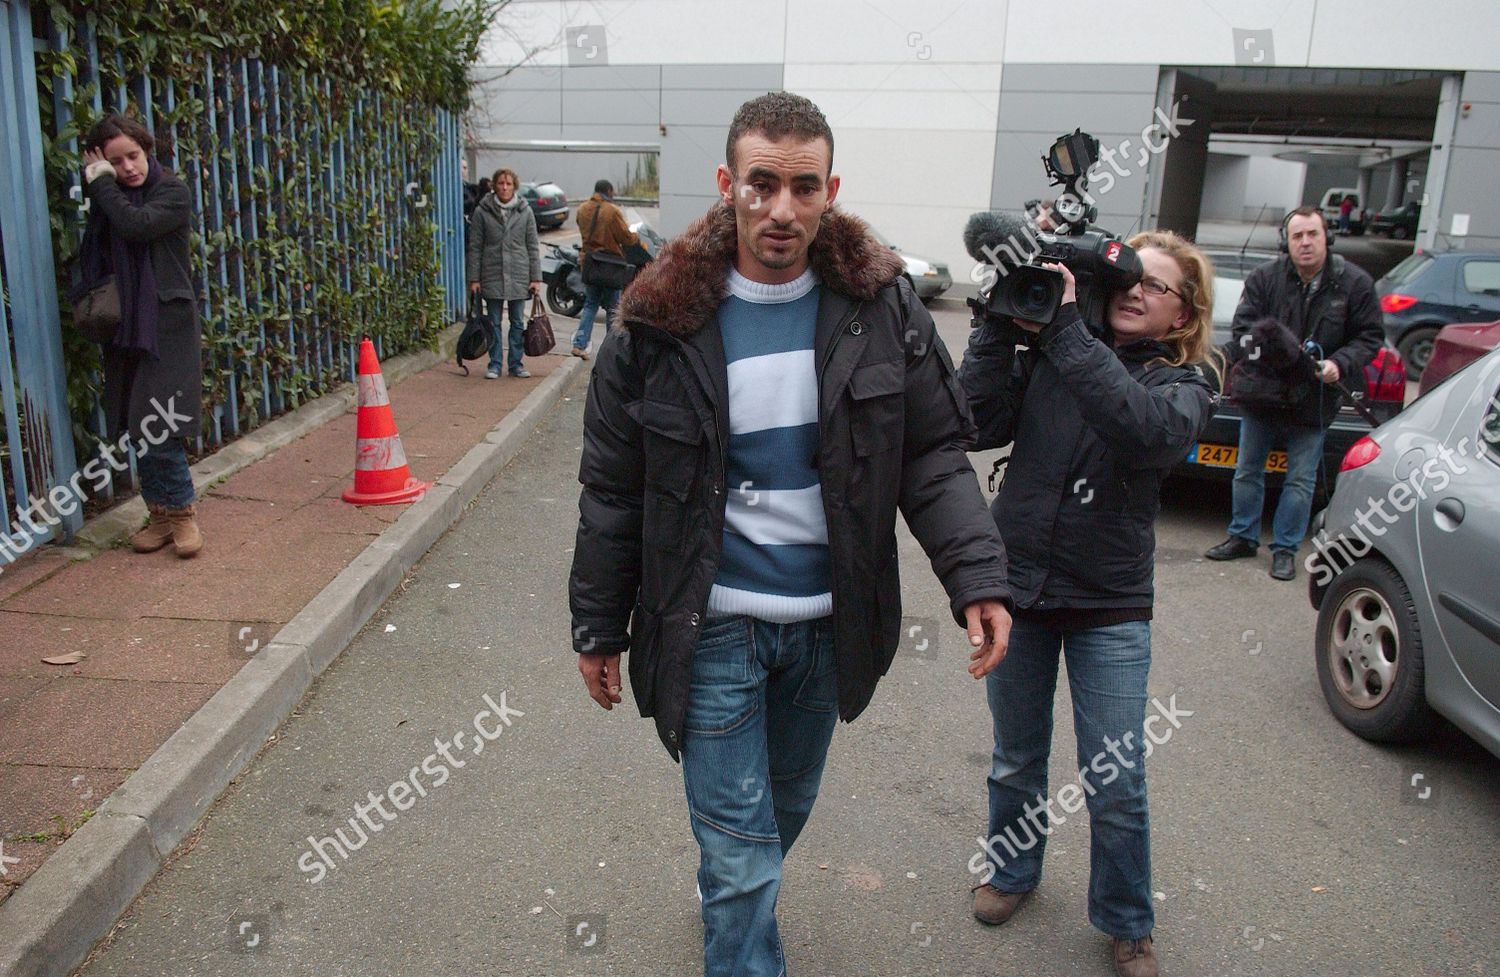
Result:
<point x="892" y="432"/>
<point x="1342" y="316"/>
<point x="1094" y="431"/>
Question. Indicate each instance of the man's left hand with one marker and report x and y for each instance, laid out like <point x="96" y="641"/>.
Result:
<point x="1331" y="372"/>
<point x="536" y="288"/>
<point x="989" y="635"/>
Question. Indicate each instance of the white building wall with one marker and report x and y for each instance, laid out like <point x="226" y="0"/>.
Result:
<point x="913" y="88"/>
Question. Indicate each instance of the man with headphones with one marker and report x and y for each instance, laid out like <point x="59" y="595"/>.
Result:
<point x="1329" y="305"/>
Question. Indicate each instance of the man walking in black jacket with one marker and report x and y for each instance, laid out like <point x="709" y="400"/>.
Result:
<point x="776" y="395"/>
<point x="1329" y="303"/>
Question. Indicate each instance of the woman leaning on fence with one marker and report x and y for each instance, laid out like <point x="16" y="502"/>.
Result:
<point x="139" y="216"/>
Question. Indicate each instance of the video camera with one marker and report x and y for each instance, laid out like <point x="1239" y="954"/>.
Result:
<point x="1017" y="248"/>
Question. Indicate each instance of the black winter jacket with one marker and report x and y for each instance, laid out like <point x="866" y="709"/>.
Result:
<point x="892" y="432"/>
<point x="1342" y="316"/>
<point x="1095" y="431"/>
<point x="163" y="222"/>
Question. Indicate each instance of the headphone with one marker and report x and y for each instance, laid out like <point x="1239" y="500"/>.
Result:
<point x="1281" y="241"/>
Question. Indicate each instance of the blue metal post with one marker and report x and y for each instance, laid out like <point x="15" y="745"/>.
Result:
<point x="46" y="454"/>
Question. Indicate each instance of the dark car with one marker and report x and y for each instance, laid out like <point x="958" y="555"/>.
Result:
<point x="1383" y="391"/>
<point x="1408" y="612"/>
<point x="1456" y="347"/>
<point x="1430" y="289"/>
<point x="1400" y="223"/>
<point x="548" y="203"/>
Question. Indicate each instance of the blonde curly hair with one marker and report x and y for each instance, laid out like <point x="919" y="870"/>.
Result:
<point x="1193" y="340"/>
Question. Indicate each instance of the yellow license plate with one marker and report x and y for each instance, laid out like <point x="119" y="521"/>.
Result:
<point x="1224" y="455"/>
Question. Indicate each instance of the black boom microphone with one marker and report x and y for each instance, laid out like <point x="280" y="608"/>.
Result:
<point x="994" y="238"/>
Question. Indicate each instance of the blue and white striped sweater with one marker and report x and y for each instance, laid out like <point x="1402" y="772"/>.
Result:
<point x="775" y="564"/>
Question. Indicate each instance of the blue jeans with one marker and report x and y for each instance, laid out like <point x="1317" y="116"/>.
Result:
<point x="1107" y="670"/>
<point x="761" y="709"/>
<point x="164" y="475"/>
<point x="1304" y="449"/>
<point x="496" y="308"/>
<point x="593" y="297"/>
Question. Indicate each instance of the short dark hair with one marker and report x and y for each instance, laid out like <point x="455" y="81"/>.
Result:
<point x="114" y="125"/>
<point x="778" y="114"/>
<point x="505" y="171"/>
<point x="604" y="187"/>
<point x="1307" y="210"/>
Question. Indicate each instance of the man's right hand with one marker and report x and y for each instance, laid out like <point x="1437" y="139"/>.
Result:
<point x="601" y="675"/>
<point x="473" y="286"/>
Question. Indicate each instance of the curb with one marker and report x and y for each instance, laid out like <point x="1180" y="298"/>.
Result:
<point x="106" y="529"/>
<point x="53" y="921"/>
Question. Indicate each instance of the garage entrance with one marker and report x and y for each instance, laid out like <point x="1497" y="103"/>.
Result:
<point x="1267" y="140"/>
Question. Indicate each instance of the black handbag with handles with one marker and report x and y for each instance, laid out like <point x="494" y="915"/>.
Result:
<point x="539" y="338"/>
<point x="603" y="269"/>
<point x="96" y="310"/>
<point x="474" y="341"/>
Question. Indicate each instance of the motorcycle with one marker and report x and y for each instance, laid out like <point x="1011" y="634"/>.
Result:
<point x="562" y="271"/>
<point x="563" y="278"/>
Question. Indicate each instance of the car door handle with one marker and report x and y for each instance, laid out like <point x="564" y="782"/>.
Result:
<point x="1453" y="509"/>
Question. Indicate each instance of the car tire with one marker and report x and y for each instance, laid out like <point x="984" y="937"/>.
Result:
<point x="1368" y="651"/>
<point x="1415" y="348"/>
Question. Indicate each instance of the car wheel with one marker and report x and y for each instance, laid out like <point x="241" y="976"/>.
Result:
<point x="1399" y="233"/>
<point x="1416" y="349"/>
<point x="563" y="300"/>
<point x="1369" y="654"/>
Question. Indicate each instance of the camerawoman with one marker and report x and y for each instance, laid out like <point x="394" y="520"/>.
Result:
<point x="1096" y="414"/>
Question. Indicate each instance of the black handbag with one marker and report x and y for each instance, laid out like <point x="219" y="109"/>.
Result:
<point x="474" y="341"/>
<point x="603" y="269"/>
<point x="96" y="311"/>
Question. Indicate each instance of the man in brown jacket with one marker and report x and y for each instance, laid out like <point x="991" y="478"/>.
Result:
<point x="604" y="229"/>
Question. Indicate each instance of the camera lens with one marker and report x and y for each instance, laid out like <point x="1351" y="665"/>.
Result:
<point x="1034" y="300"/>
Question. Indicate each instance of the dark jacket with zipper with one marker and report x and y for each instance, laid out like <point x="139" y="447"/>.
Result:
<point x="892" y="433"/>
<point x="1093" y="433"/>
<point x="1342" y="315"/>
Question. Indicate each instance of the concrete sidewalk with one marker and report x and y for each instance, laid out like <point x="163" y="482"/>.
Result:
<point x="162" y="635"/>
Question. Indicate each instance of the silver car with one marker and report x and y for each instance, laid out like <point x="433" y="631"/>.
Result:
<point x="1405" y="565"/>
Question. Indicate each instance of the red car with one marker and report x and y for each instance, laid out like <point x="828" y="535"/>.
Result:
<point x="1455" y="347"/>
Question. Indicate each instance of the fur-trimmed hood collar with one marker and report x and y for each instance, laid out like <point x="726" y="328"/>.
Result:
<point x="681" y="290"/>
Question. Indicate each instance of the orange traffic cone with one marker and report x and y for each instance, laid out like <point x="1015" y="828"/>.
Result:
<point x="380" y="473"/>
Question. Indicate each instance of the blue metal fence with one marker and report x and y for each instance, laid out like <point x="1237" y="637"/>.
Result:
<point x="37" y="445"/>
<point x="294" y="182"/>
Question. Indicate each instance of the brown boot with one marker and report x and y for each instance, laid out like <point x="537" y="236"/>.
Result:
<point x="993" y="907"/>
<point x="187" y="540"/>
<point x="1134" y="958"/>
<point x="158" y="532"/>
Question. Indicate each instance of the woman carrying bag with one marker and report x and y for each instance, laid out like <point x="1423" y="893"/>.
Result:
<point x="505" y="265"/>
<point x="139" y="217"/>
<point x="1096" y="421"/>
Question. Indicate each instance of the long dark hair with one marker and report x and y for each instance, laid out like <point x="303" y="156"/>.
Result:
<point x="114" y="125"/>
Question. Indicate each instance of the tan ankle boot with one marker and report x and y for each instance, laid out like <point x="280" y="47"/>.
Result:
<point x="187" y="539"/>
<point x="156" y="535"/>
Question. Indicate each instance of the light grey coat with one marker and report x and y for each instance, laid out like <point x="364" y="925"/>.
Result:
<point x="503" y="251"/>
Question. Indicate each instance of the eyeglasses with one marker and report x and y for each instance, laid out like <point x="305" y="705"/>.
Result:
<point x="1156" y="286"/>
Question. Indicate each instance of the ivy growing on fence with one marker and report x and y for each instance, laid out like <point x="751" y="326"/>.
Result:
<point x="309" y="132"/>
